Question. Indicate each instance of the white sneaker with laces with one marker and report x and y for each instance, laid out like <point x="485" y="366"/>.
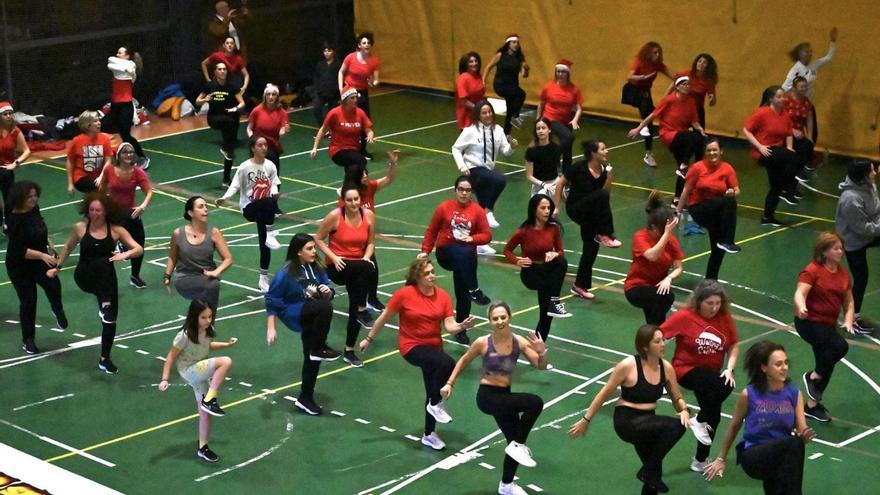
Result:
<point x="645" y="132"/>
<point x="520" y="453"/>
<point x="490" y="216"/>
<point x="433" y="441"/>
<point x="272" y="240"/>
<point x="700" y="430"/>
<point x="485" y="249"/>
<point x="698" y="466"/>
<point x="439" y="412"/>
<point x="649" y="160"/>
<point x="263" y="284"/>
<point x="510" y="489"/>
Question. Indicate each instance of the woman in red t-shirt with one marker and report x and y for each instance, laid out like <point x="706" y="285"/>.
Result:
<point x="120" y="181"/>
<point x="799" y="109"/>
<point x="703" y="77"/>
<point x="87" y="154"/>
<point x="351" y="241"/>
<point x="13" y="152"/>
<point x="704" y="334"/>
<point x="542" y="264"/>
<point x="346" y="123"/>
<point x="469" y="88"/>
<point x="655" y="251"/>
<point x="769" y="132"/>
<point x="709" y="194"/>
<point x="560" y="104"/>
<point x="269" y="120"/>
<point x="228" y="54"/>
<point x="423" y="307"/>
<point x="637" y="90"/>
<point x="360" y="70"/>
<point x="823" y="288"/>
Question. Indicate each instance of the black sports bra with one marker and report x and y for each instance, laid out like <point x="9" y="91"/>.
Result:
<point x="643" y="392"/>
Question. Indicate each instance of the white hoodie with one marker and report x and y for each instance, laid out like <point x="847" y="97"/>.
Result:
<point x="122" y="69"/>
<point x="478" y="145"/>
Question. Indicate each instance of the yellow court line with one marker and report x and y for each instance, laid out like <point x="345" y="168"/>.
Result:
<point x="756" y="237"/>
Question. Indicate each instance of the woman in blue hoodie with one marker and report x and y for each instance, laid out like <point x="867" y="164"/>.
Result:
<point x="300" y="297"/>
<point x="858" y="223"/>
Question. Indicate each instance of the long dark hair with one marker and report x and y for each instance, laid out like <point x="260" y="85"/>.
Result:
<point x="463" y="62"/>
<point x="644" y="336"/>
<point x="535" y="131"/>
<point x="658" y="211"/>
<point x="590" y="147"/>
<point x="191" y="325"/>
<point x="711" y="72"/>
<point x="297" y="242"/>
<point x="768" y="94"/>
<point x="478" y="107"/>
<point x="190" y="206"/>
<point x="19" y="192"/>
<point x="759" y="355"/>
<point x="518" y="54"/>
<point x="533" y="207"/>
<point x="354" y="176"/>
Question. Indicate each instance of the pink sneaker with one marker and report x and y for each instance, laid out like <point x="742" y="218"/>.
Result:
<point x="608" y="241"/>
<point x="577" y="291"/>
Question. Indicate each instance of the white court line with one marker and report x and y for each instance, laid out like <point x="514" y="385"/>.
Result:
<point x="817" y="191"/>
<point x="59" y="444"/>
<point x="50" y="399"/>
<point x="51" y="478"/>
<point x="431" y="126"/>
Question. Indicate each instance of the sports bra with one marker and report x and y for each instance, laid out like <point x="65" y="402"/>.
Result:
<point x="495" y="364"/>
<point x="643" y="392"/>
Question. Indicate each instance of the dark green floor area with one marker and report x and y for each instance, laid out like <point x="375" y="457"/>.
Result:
<point x="360" y="442"/>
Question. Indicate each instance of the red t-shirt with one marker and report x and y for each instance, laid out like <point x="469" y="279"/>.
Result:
<point x="358" y="73"/>
<point x="368" y="197"/>
<point x="121" y="90"/>
<point x="770" y="128"/>
<point x="420" y="317"/>
<point x="649" y="273"/>
<point x="641" y="69"/>
<point x="798" y="111"/>
<point x="709" y="183"/>
<point x="827" y="294"/>
<point x="453" y="221"/>
<point x="7" y="146"/>
<point x="676" y="113"/>
<point x="699" y="343"/>
<point x="535" y="243"/>
<point x="234" y="62"/>
<point x="268" y="124"/>
<point x="87" y="155"/>
<point x="123" y="191"/>
<point x="469" y="87"/>
<point x="700" y="87"/>
<point x="559" y="101"/>
<point x="349" y="242"/>
<point x="345" y="129"/>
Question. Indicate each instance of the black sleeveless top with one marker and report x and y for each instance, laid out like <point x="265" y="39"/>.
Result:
<point x="507" y="71"/>
<point x="643" y="392"/>
<point x="93" y="250"/>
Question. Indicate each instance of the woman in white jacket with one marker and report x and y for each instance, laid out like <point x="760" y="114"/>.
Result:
<point x="125" y="67"/>
<point x="475" y="152"/>
<point x="806" y="67"/>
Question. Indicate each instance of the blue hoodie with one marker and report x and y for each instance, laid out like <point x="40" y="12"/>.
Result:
<point x="287" y="294"/>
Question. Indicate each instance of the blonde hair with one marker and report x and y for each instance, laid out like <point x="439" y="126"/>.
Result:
<point x="824" y="241"/>
<point x="86" y="119"/>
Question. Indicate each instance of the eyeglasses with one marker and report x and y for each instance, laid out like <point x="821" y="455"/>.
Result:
<point x="463" y="189"/>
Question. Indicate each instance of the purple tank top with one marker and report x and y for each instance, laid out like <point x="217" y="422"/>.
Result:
<point x="495" y="364"/>
<point x="770" y="415"/>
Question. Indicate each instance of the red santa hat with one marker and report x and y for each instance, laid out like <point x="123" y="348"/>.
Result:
<point x="512" y="37"/>
<point x="348" y="91"/>
<point x="5" y="106"/>
<point x="564" y="64"/>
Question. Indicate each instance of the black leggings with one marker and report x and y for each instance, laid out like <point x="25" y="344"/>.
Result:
<point x="135" y="227"/>
<point x="349" y="158"/>
<point x="514" y="97"/>
<point x="565" y="136"/>
<point x="25" y="282"/>
<point x="461" y="260"/>
<point x="7" y="179"/>
<point x="546" y="278"/>
<point x="653" y="437"/>
<point x="363" y="102"/>
<point x="718" y="217"/>
<point x="515" y="414"/>
<point x="262" y="212"/>
<point x="685" y="146"/>
<point x="227" y="124"/>
<point x="436" y="368"/>
<point x="781" y="168"/>
<point x="322" y="105"/>
<point x="120" y="119"/>
<point x="593" y="214"/>
<point x="858" y="266"/>
<point x="645" y="103"/>
<point x="356" y="276"/>
<point x="803" y="148"/>
<point x="778" y="463"/>
<point x="654" y="305"/>
<point x="85" y="184"/>
<point x="99" y="279"/>
<point x="711" y="392"/>
<point x="314" y="318"/>
<point x="828" y="348"/>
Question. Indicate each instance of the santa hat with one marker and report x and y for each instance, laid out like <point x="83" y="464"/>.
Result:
<point x="512" y="37"/>
<point x="681" y="80"/>
<point x="564" y="64"/>
<point x="271" y="88"/>
<point x="5" y="106"/>
<point x="118" y="150"/>
<point x="348" y="91"/>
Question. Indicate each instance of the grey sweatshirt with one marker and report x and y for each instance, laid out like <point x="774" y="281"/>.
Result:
<point x="858" y="214"/>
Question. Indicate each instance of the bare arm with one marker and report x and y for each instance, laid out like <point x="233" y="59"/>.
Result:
<point x="205" y="63"/>
<point x="223" y="250"/>
<point x="318" y="137"/>
<point x="172" y="259"/>
<point x="391" y="174"/>
<point x="247" y="80"/>
<point x="716" y="467"/>
<point x="134" y="249"/>
<point x="621" y="370"/>
<point x="453" y="326"/>
<point x="534" y="348"/>
<point x="166" y="368"/>
<point x="370" y="217"/>
<point x="800" y="299"/>
<point x="330" y="221"/>
<point x="341" y="76"/>
<point x="491" y="65"/>
<point x="478" y="348"/>
<point x="849" y="312"/>
<point x="377" y="325"/>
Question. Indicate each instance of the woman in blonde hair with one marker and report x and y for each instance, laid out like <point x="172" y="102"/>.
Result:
<point x="88" y="154"/>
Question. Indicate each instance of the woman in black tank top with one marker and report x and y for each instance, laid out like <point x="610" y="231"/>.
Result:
<point x="510" y="63"/>
<point x="635" y="422"/>
<point x="95" y="274"/>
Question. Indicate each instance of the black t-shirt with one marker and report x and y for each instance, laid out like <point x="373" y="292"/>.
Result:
<point x="26" y="231"/>
<point x="224" y="97"/>
<point x="326" y="79"/>
<point x="545" y="161"/>
<point x="507" y="71"/>
<point x="581" y="182"/>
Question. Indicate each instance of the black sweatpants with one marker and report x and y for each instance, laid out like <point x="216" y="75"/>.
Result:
<point x="858" y="266"/>
<point x="363" y="102"/>
<point x="565" y="138"/>
<point x="7" y="179"/>
<point x="593" y="214"/>
<point x="99" y="279"/>
<point x="643" y="101"/>
<point x="356" y="277"/>
<point x="349" y="158"/>
<point x="718" y="217"/>
<point x="547" y="279"/>
<point x="828" y="345"/>
<point x="314" y="317"/>
<point x="25" y="283"/>
<point x="781" y="167"/>
<point x="321" y="106"/>
<point x="461" y="260"/>
<point x="436" y="368"/>
<point x="120" y="119"/>
<point x="135" y="227"/>
<point x="85" y="184"/>
<point x="711" y="392"/>
<point x="778" y="463"/>
<point x="514" y="97"/>
<point x="652" y="436"/>
<point x="262" y="212"/>
<point x="227" y="124"/>
<point x="654" y="305"/>
<point x="515" y="414"/>
<point x="803" y="148"/>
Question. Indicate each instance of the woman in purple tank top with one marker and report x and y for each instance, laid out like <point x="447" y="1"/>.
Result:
<point x="772" y="408"/>
<point x="515" y="413"/>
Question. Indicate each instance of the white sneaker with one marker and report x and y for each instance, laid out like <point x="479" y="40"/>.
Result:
<point x="272" y="241"/>
<point x="697" y="466"/>
<point x="439" y="412"/>
<point x="700" y="430"/>
<point x="520" y="453"/>
<point x="263" y="284"/>
<point x="486" y="249"/>
<point x="433" y="441"/>
<point x="510" y="489"/>
<point x="645" y="132"/>
<point x="649" y="160"/>
<point x="490" y="216"/>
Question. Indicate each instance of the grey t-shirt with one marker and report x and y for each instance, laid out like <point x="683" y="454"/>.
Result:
<point x="190" y="352"/>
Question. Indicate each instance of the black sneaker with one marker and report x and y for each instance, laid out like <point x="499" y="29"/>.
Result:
<point x="137" y="282"/>
<point x="478" y="297"/>
<point x="681" y="172"/>
<point x="730" y="248"/>
<point x="324" y="354"/>
<point x="462" y="337"/>
<point x="226" y="155"/>
<point x="798" y="194"/>
<point x="207" y="454"/>
<point x="225" y="183"/>
<point x="103" y="316"/>
<point x="365" y="319"/>
<point x="375" y="304"/>
<point x="308" y="406"/>
<point x="107" y="366"/>
<point x="557" y="310"/>
<point x="212" y="407"/>
<point x="351" y="358"/>
<point x="863" y="326"/>
<point x="817" y="412"/>
<point x="770" y="222"/>
<point x="802" y="178"/>
<point x="813" y="391"/>
<point x="29" y="347"/>
<point x="655" y="484"/>
<point x="789" y="198"/>
<point x="61" y="319"/>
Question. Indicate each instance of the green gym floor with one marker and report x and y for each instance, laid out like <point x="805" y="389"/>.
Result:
<point x="122" y="433"/>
